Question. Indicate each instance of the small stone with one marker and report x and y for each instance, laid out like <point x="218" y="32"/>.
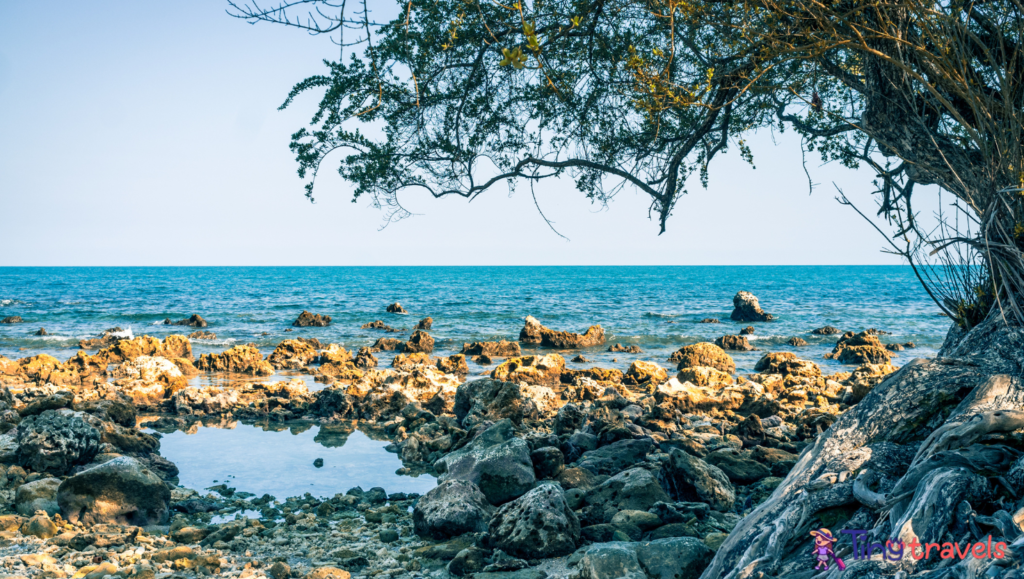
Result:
<point x="279" y="570"/>
<point x="620" y="536"/>
<point x="319" y="463"/>
<point x="40" y="526"/>
<point x="388" y="535"/>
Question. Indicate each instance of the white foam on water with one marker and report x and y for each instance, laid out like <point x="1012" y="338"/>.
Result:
<point x="123" y="334"/>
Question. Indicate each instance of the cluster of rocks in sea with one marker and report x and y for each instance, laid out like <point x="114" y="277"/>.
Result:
<point x="543" y="470"/>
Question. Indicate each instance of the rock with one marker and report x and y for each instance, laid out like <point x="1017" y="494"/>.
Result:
<point x="57" y="400"/>
<point x="38" y="495"/>
<point x="642" y="519"/>
<point x="378" y="325"/>
<point x="387" y="535"/>
<point x="455" y="364"/>
<point x="202" y="335"/>
<point x="568" y="420"/>
<point x="688" y="478"/>
<point x="705" y="377"/>
<point x="482" y="360"/>
<point x="450" y="509"/>
<point x="424" y="324"/>
<point x="581" y="478"/>
<point x="635" y="489"/>
<point x="419" y="342"/>
<point x="279" y="570"/>
<point x="735" y="343"/>
<point x="826" y="331"/>
<point x="703" y="354"/>
<point x="396" y="308"/>
<point x="535" y="333"/>
<point x="632" y="349"/>
<point x="496" y="461"/>
<point x="365" y="359"/>
<point x="502" y="349"/>
<point x="796" y="342"/>
<point x="710" y="321"/>
<point x="580" y="359"/>
<point x="328" y="573"/>
<point x="385" y="345"/>
<point x="55" y="441"/>
<point x="747" y="331"/>
<point x="537" y="525"/>
<point x="40" y="526"/>
<point x="865" y="378"/>
<point x="617" y="456"/>
<point x="547" y="461"/>
<point x="611" y="561"/>
<point x="407" y="362"/>
<point x="108" y="338"/>
<point x="318" y="463"/>
<point x="195" y="320"/>
<point x="120" y="491"/>
<point x="641" y="372"/>
<point x="42" y="332"/>
<point x="739" y="470"/>
<point x="675" y="558"/>
<point x="492" y="400"/>
<point x="239" y="360"/>
<point x="778" y="461"/>
<point x="467" y="561"/>
<point x="540" y="370"/>
<point x="12" y="320"/>
<point x="862" y="348"/>
<point x="747" y="309"/>
<point x="786" y="363"/>
<point x="293" y="354"/>
<point x="307" y="319"/>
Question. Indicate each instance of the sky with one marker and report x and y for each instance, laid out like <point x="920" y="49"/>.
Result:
<point x="146" y="133"/>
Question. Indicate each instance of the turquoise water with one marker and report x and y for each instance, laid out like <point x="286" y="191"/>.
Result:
<point x="654" y="307"/>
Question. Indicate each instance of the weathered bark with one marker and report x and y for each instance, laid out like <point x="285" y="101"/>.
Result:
<point x="908" y="436"/>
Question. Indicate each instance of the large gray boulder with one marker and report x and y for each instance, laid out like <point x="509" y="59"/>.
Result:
<point x="450" y="509"/>
<point x="495" y="461"/>
<point x="611" y="561"/>
<point x="54" y="441"/>
<point x="38" y="495"/>
<point x="617" y="456"/>
<point x="634" y="490"/>
<point x="673" y="558"/>
<point x="494" y="400"/>
<point x="537" y="525"/>
<point x="688" y="478"/>
<point x="120" y="491"/>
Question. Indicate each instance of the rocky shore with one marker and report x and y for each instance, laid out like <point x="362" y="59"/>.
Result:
<point x="652" y="470"/>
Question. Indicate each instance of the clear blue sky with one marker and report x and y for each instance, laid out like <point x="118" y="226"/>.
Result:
<point x="145" y="133"/>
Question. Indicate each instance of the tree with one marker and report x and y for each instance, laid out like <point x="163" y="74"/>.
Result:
<point x="462" y="95"/>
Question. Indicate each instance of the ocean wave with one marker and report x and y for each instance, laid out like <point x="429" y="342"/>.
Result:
<point x="657" y="315"/>
<point x="12" y="302"/>
<point x="125" y="334"/>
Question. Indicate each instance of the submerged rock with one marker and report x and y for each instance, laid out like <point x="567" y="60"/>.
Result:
<point x="632" y="349"/>
<point x="796" y="341"/>
<point x="747" y="309"/>
<point x="424" y="324"/>
<point x="736" y="343"/>
<point x="450" y="509"/>
<point x="195" y="320"/>
<point x="537" y="525"/>
<point x="119" y="491"/>
<point x="202" y="335"/>
<point x="502" y="349"/>
<point x="12" y="320"/>
<point x="786" y="363"/>
<point x="307" y="319"/>
<point x="535" y="333"/>
<point x="826" y="331"/>
<point x="41" y="332"/>
<point x="396" y="308"/>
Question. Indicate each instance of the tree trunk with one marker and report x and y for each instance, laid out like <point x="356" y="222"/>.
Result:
<point x="913" y="436"/>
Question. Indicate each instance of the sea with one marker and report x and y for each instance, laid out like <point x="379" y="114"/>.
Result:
<point x="655" y="308"/>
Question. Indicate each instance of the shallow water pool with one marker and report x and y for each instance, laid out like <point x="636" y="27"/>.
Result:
<point x="251" y="459"/>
